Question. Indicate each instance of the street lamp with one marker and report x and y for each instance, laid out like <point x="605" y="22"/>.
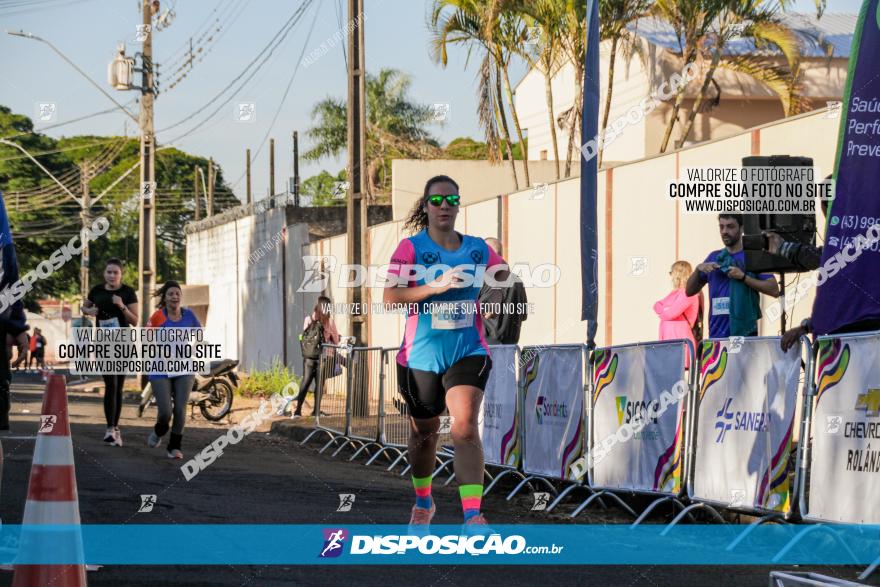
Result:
<point x="73" y="65"/>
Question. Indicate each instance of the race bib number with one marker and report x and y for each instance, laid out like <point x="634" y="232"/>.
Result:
<point x="110" y="323"/>
<point x="721" y="306"/>
<point x="453" y="315"/>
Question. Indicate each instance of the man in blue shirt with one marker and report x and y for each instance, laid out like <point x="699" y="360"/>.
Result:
<point x="719" y="269"/>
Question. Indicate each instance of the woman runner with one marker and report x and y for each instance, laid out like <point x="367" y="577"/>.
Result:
<point x="171" y="390"/>
<point x="443" y="360"/>
<point x="115" y="305"/>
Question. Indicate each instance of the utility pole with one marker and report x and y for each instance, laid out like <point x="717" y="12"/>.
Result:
<point x="147" y="228"/>
<point x="196" y="186"/>
<point x="247" y="167"/>
<point x="296" y="169"/>
<point x="86" y="216"/>
<point x="210" y="187"/>
<point x="271" y="167"/>
<point x="355" y="208"/>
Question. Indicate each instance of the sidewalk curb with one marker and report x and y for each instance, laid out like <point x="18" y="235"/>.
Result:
<point x="293" y="429"/>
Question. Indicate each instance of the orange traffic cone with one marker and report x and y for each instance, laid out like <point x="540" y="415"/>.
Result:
<point x="52" y="498"/>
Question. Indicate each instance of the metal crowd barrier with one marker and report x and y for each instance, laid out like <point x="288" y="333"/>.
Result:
<point x="504" y="453"/>
<point x="613" y="371"/>
<point x="331" y="396"/>
<point x="393" y="421"/>
<point x="363" y="397"/>
<point x="840" y="396"/>
<point x="554" y="399"/>
<point x="716" y="358"/>
<point x="358" y="405"/>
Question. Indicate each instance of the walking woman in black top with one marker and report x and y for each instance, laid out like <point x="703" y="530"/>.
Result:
<point x="114" y="305"/>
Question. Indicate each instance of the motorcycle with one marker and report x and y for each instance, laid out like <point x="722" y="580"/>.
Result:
<point x="212" y="393"/>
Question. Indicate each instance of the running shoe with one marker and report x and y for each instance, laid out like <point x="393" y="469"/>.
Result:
<point x="109" y="436"/>
<point x="175" y="454"/>
<point x="421" y="519"/>
<point x="476" y="526"/>
<point x="154" y="440"/>
<point x="117" y="437"/>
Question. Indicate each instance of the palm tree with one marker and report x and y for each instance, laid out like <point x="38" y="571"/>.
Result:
<point x="547" y="17"/>
<point x="614" y="18"/>
<point x="574" y="43"/>
<point x="692" y="22"/>
<point x="704" y="27"/>
<point x="396" y="128"/>
<point x="486" y="27"/>
<point x="762" y="24"/>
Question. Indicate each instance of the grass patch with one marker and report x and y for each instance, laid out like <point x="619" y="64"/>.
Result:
<point x="265" y="383"/>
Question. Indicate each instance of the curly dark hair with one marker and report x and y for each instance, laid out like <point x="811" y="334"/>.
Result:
<point x="418" y="217"/>
<point x="160" y="293"/>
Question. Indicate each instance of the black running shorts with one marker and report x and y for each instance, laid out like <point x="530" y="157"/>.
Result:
<point x="425" y="391"/>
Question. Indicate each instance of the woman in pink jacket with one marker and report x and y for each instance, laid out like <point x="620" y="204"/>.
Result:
<point x="677" y="311"/>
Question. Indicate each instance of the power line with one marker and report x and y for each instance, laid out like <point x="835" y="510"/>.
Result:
<point x="284" y="96"/>
<point x="273" y="44"/>
<point x="184" y="68"/>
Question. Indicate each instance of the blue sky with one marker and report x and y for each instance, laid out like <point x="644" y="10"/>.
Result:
<point x="88" y="31"/>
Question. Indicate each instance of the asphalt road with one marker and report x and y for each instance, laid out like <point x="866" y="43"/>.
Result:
<point x="269" y="478"/>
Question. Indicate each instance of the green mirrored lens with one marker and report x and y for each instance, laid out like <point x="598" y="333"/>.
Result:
<point x="437" y="199"/>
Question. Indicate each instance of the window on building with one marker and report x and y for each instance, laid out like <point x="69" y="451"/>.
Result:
<point x="543" y="154"/>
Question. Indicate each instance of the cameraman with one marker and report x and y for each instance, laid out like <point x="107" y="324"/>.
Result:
<point x="733" y="293"/>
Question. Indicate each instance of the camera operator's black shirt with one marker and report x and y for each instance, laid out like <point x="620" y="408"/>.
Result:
<point x="109" y="315"/>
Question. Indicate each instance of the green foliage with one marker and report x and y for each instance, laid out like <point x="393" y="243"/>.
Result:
<point x="321" y="188"/>
<point x="396" y="128"/>
<point x="266" y="383"/>
<point x="43" y="216"/>
<point x="466" y="148"/>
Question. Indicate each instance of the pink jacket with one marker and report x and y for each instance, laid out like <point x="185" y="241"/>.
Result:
<point x="677" y="315"/>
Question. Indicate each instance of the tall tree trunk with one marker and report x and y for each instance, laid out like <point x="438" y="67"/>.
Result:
<point x="548" y="92"/>
<point x="502" y="123"/>
<point x="686" y="131"/>
<point x="608" y="94"/>
<point x="679" y="99"/>
<point x="522" y="144"/>
<point x="577" y="115"/>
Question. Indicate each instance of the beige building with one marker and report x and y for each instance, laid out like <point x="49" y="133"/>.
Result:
<point x="744" y="102"/>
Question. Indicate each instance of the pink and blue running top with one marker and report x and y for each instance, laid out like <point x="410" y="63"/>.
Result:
<point x="447" y="326"/>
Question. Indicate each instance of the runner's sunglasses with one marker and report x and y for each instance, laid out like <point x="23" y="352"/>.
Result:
<point x="437" y="200"/>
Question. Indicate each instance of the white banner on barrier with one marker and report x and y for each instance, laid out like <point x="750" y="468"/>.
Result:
<point x="627" y="385"/>
<point x="745" y="419"/>
<point x="845" y="459"/>
<point x="499" y="425"/>
<point x="553" y="411"/>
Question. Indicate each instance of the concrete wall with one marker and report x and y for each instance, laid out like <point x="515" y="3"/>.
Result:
<point x="245" y="291"/>
<point x="478" y="180"/>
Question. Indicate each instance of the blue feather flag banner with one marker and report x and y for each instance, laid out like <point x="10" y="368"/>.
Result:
<point x="589" y="128"/>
